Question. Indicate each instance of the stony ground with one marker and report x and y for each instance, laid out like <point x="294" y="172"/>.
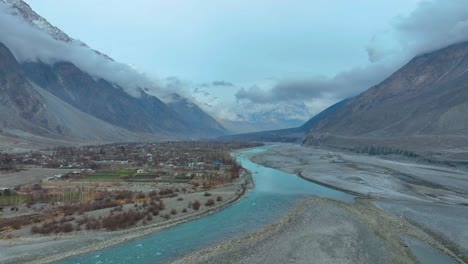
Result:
<point x="29" y="175"/>
<point x="397" y="200"/>
<point x="317" y="232"/>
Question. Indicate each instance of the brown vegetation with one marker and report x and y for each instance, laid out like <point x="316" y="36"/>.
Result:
<point x="122" y="220"/>
<point x="210" y="202"/>
<point x="196" y="205"/>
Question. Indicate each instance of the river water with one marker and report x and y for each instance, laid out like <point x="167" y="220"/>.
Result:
<point x="275" y="194"/>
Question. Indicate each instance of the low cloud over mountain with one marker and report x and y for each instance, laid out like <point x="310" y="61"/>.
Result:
<point x="29" y="43"/>
<point x="432" y="25"/>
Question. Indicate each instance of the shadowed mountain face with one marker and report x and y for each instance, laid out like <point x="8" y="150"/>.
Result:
<point x="26" y="84"/>
<point x="192" y="115"/>
<point x="102" y="99"/>
<point x="61" y="102"/>
<point x="110" y="103"/>
<point x="428" y="96"/>
<point x="17" y="93"/>
<point x="27" y="110"/>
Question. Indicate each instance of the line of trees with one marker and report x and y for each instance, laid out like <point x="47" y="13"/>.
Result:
<point x="383" y="150"/>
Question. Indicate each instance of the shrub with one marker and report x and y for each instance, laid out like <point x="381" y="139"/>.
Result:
<point x="82" y="221"/>
<point x="166" y="192"/>
<point x="184" y="210"/>
<point x="196" y="205"/>
<point x="93" y="224"/>
<point x="219" y="198"/>
<point x="35" y="229"/>
<point x="67" y="228"/>
<point x="180" y="199"/>
<point x="18" y="221"/>
<point x="161" y="205"/>
<point x="166" y="216"/>
<point x="124" y="195"/>
<point x="123" y="220"/>
<point x="207" y="194"/>
<point x="210" y="202"/>
<point x="52" y="226"/>
<point x="173" y="212"/>
<point x="66" y="219"/>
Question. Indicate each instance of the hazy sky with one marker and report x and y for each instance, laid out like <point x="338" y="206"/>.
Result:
<point x="271" y="51"/>
<point x="235" y="41"/>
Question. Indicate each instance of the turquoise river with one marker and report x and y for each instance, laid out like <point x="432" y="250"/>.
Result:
<point x="274" y="195"/>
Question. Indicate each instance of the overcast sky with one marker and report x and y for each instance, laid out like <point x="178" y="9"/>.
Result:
<point x="265" y="51"/>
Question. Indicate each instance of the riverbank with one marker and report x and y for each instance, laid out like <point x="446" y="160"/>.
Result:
<point x="396" y="201"/>
<point x="431" y="198"/>
<point x="47" y="249"/>
<point x="325" y="231"/>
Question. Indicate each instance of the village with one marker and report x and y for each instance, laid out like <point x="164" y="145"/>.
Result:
<point x="114" y="186"/>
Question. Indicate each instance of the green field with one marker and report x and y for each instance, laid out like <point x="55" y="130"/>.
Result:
<point x="13" y="199"/>
<point x="108" y="175"/>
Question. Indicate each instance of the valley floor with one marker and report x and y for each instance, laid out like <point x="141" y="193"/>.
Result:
<point x="27" y="248"/>
<point x="404" y="212"/>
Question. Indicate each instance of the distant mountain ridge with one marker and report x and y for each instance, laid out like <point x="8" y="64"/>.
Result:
<point x="295" y="134"/>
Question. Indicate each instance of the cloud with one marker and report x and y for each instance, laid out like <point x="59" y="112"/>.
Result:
<point x="432" y="25"/>
<point x="28" y="43"/>
<point x="344" y="84"/>
<point x="221" y="83"/>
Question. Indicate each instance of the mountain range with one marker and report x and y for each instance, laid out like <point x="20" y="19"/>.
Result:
<point x="58" y="100"/>
<point x="423" y="104"/>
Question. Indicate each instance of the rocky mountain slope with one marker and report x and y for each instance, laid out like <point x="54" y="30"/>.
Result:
<point x="423" y="106"/>
<point x="195" y="117"/>
<point x="29" y="110"/>
<point x="37" y="89"/>
<point x="428" y="96"/>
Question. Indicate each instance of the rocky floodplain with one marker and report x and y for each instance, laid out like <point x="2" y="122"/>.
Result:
<point x="400" y="204"/>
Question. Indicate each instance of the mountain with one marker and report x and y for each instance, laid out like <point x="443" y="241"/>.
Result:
<point x="289" y="134"/>
<point x="195" y="117"/>
<point x="254" y="118"/>
<point x="17" y="94"/>
<point x="426" y="98"/>
<point x="31" y="17"/>
<point x="103" y="99"/>
<point x="29" y="110"/>
<point x="94" y="97"/>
